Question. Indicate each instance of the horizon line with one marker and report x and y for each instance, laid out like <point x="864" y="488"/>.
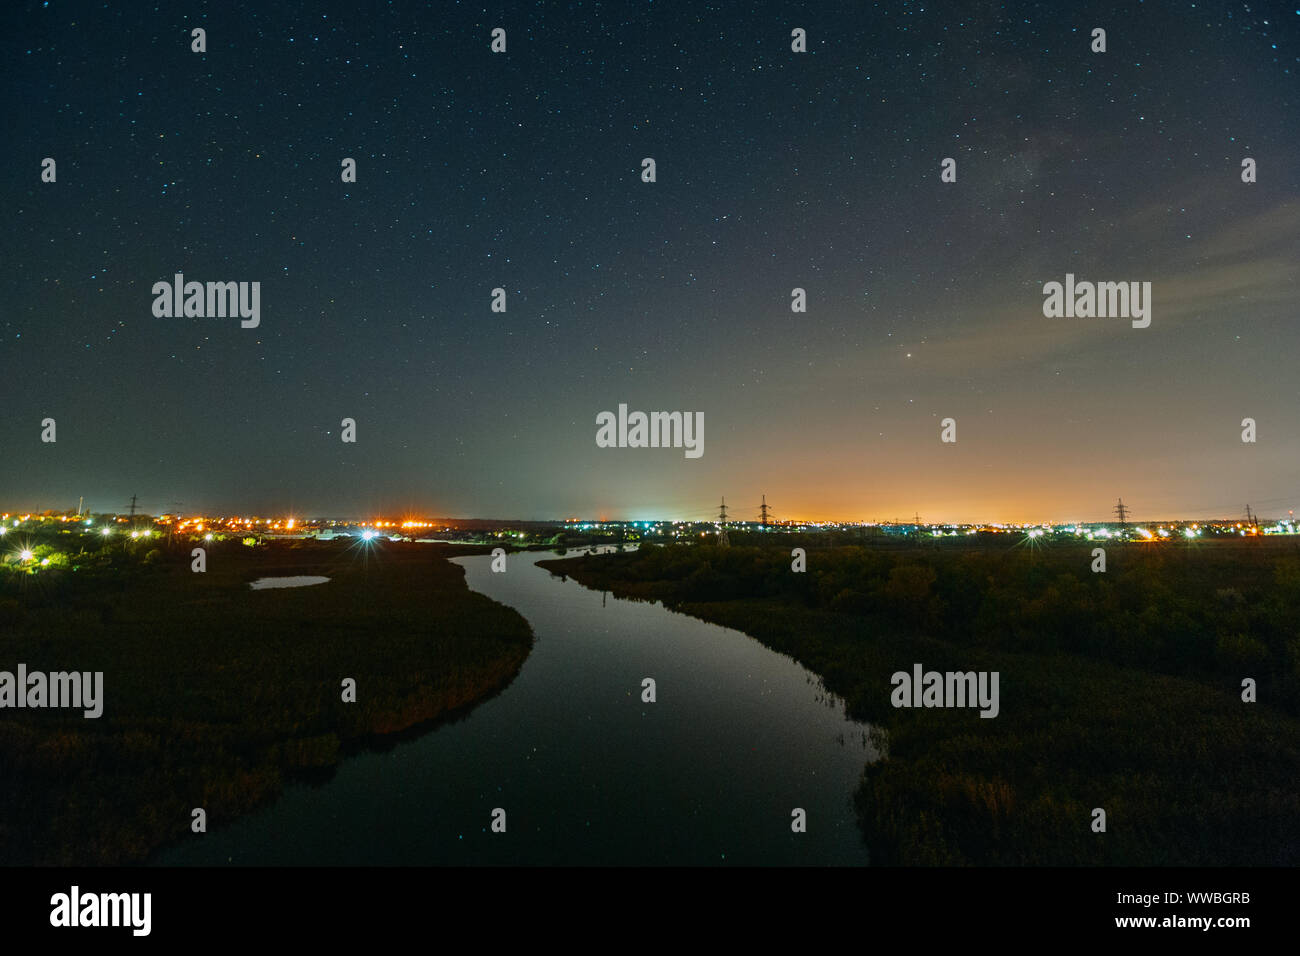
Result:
<point x="377" y="517"/>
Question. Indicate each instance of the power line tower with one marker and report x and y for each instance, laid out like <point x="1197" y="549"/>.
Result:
<point x="762" y="514"/>
<point x="1121" y="512"/>
<point x="722" y="526"/>
<point x="133" y="506"/>
<point x="1252" y="520"/>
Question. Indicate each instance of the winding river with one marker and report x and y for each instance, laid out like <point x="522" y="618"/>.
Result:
<point x="587" y="773"/>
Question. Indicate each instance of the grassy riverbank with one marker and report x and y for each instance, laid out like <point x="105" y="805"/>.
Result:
<point x="214" y="694"/>
<point x="1119" y="691"/>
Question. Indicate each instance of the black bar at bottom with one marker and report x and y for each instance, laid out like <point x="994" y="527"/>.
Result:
<point x="331" y="906"/>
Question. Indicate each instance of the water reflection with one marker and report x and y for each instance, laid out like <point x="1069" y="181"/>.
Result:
<point x="587" y="772"/>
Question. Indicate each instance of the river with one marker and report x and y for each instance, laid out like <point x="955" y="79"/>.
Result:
<point x="586" y="772"/>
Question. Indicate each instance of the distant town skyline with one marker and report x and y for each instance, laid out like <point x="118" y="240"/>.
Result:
<point x="1247" y="512"/>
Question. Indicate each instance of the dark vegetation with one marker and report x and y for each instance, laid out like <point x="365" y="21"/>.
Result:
<point x="215" y="694"/>
<point x="1119" y="690"/>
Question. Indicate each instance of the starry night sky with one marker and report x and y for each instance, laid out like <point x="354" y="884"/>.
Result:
<point x="775" y="170"/>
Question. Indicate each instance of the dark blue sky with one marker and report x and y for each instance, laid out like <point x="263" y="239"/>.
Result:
<point x="775" y="170"/>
